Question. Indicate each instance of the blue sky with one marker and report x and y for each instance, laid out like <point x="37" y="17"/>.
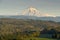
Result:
<point x="13" y="7"/>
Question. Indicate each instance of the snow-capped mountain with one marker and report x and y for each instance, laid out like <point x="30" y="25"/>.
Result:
<point x="31" y="11"/>
<point x="35" y="14"/>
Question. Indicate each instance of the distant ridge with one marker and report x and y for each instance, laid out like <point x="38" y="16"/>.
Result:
<point x="56" y="19"/>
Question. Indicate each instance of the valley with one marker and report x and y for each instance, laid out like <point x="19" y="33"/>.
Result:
<point x="19" y="29"/>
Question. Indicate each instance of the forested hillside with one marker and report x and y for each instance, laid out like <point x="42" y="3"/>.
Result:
<point x="18" y="29"/>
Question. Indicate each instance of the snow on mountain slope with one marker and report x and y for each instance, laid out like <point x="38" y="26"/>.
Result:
<point x="31" y="11"/>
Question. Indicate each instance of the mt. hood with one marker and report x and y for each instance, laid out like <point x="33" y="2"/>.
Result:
<point x="31" y="11"/>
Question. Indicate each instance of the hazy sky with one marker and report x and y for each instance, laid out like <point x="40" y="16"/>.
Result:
<point x="13" y="7"/>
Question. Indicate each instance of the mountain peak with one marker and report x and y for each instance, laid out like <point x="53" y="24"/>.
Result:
<point x="31" y="11"/>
